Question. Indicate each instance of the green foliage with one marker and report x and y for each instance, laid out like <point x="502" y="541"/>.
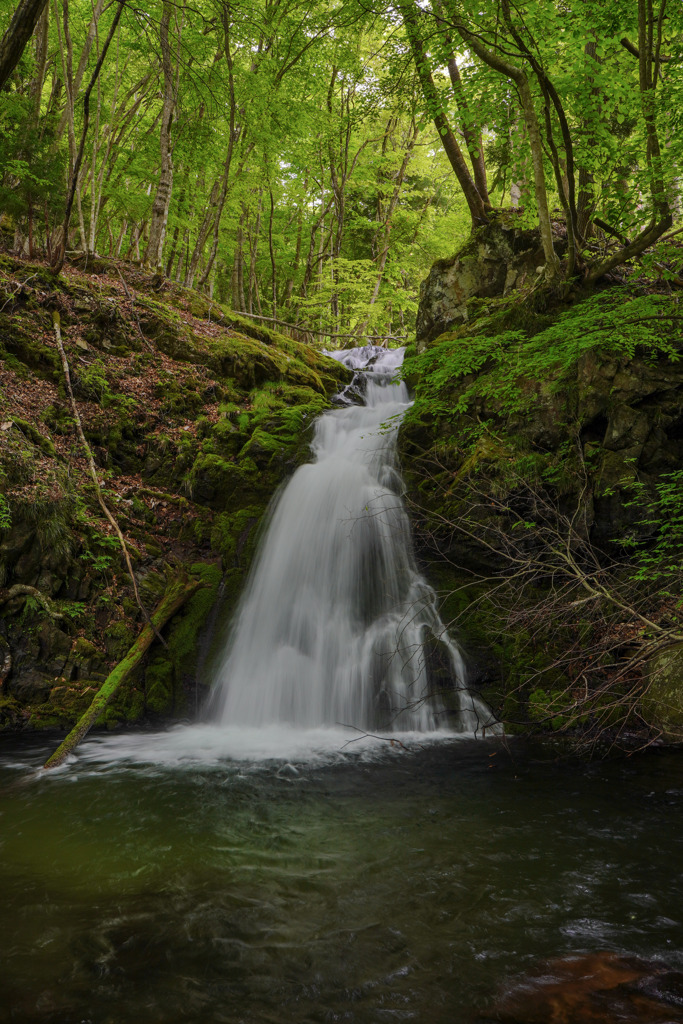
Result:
<point x="512" y="370"/>
<point x="5" y="513"/>
<point x="659" y="560"/>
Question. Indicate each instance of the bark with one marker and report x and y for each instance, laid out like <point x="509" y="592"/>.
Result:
<point x="36" y="88"/>
<point x="518" y="76"/>
<point x="19" y="31"/>
<point x="83" y="61"/>
<point x="79" y="159"/>
<point x="475" y="202"/>
<point x="473" y="139"/>
<point x="584" y="203"/>
<point x="472" y="135"/>
<point x="649" y="58"/>
<point x="563" y="169"/>
<point x="238" y="270"/>
<point x="162" y="198"/>
<point x="271" y="250"/>
<point x="177" y="593"/>
<point x="289" y="284"/>
<point x="233" y="133"/>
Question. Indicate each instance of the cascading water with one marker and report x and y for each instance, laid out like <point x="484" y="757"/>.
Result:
<point x="331" y="627"/>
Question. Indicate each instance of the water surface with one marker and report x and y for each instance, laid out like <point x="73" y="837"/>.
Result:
<point x="370" y="884"/>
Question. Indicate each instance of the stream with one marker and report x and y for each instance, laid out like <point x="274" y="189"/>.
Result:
<point x="380" y="883"/>
<point x="339" y="840"/>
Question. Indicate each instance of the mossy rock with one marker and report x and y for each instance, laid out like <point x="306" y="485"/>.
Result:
<point x="10" y="711"/>
<point x="160" y="696"/>
<point x="118" y="638"/>
<point x="167" y="672"/>
<point x="31" y="353"/>
<point x="33" y="435"/>
<point x="216" y="481"/>
<point x="233" y="535"/>
<point x="662" y="703"/>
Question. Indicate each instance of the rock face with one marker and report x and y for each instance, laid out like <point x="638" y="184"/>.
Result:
<point x="497" y="259"/>
<point x="663" y="700"/>
<point x="534" y="457"/>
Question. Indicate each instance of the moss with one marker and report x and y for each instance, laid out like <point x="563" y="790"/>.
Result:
<point x="118" y="638"/>
<point x="215" y="480"/>
<point x="127" y="706"/>
<point x="10" y="711"/>
<point x="33" y="435"/>
<point x="165" y="674"/>
<point x="233" y="535"/>
<point x="83" y="649"/>
<point x="662" y="702"/>
<point x="21" y="341"/>
<point x="159" y="687"/>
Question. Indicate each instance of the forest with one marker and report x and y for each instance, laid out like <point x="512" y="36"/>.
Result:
<point x="341" y="511"/>
<point x="307" y="163"/>
<point x="235" y="191"/>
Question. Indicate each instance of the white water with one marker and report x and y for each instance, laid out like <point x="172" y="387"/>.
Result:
<point x="331" y="627"/>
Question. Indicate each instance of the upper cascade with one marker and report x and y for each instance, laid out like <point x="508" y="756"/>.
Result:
<point x="331" y="627"/>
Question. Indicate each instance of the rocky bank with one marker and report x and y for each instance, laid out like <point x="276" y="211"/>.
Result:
<point x="544" y="457"/>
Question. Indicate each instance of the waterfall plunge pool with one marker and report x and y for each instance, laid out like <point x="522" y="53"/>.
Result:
<point x="384" y="884"/>
<point x="272" y="867"/>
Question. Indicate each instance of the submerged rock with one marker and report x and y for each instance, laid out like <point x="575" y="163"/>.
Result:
<point x="599" y="988"/>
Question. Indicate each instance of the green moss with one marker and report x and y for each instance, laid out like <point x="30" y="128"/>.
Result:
<point x="233" y="535"/>
<point x="35" y="437"/>
<point x="164" y="676"/>
<point x="83" y="649"/>
<point x="159" y="687"/>
<point x="214" y="480"/>
<point x="118" y="638"/>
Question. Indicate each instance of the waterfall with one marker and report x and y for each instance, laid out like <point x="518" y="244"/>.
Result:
<point x="332" y="625"/>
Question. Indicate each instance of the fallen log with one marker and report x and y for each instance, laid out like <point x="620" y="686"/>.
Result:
<point x="177" y="593"/>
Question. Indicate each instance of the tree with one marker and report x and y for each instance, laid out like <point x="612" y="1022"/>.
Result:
<point x="17" y="35"/>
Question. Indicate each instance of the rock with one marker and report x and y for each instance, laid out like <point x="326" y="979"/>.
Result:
<point x="598" y="988"/>
<point x="497" y="258"/>
<point x="662" y="704"/>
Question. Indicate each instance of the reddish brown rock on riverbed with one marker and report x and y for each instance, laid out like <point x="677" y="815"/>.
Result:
<point x="600" y="988"/>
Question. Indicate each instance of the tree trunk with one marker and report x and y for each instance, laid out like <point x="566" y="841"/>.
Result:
<point x="82" y="63"/>
<point x="475" y="202"/>
<point x="177" y="593"/>
<point x="162" y="199"/>
<point x="518" y="76"/>
<point x="20" y="30"/>
<point x="59" y="261"/>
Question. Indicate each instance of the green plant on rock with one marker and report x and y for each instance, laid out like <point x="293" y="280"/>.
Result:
<point x="5" y="513"/>
<point x="92" y="383"/>
<point x="659" y="560"/>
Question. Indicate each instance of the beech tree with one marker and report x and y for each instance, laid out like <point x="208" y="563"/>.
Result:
<point x="576" y="74"/>
<point x="307" y="164"/>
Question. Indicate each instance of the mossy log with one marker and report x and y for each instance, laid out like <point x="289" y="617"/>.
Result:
<point x="174" y="598"/>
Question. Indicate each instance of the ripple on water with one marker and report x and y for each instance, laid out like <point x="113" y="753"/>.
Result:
<point x="389" y="883"/>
